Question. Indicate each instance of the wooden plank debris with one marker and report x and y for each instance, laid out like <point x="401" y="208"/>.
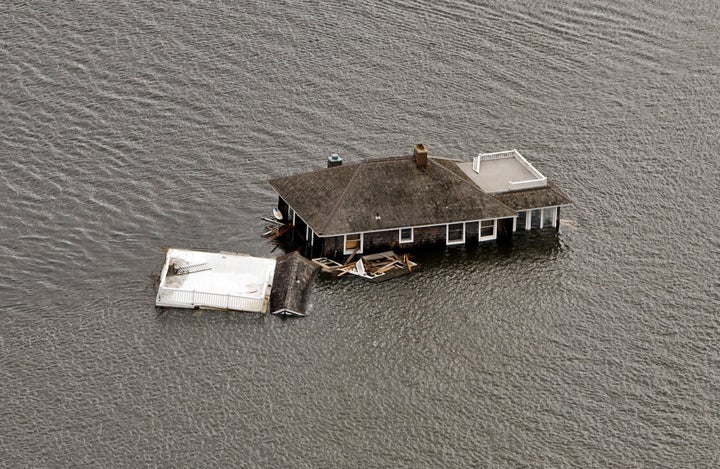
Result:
<point x="374" y="267"/>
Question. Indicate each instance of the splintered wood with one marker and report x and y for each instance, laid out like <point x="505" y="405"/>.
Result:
<point x="375" y="267"/>
<point x="279" y="229"/>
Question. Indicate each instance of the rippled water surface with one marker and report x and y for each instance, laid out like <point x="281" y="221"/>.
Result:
<point x="126" y="127"/>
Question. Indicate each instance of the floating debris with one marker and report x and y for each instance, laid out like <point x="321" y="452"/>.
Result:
<point x="374" y="267"/>
<point x="189" y="269"/>
<point x="215" y="280"/>
<point x="231" y="281"/>
<point x="294" y="275"/>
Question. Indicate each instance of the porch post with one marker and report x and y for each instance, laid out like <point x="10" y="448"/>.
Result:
<point x="557" y="220"/>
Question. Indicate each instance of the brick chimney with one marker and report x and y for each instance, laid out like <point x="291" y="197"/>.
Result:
<point x="421" y="155"/>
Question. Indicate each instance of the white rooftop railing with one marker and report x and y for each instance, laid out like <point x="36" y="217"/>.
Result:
<point x="184" y="298"/>
<point x="498" y="155"/>
<point x="539" y="181"/>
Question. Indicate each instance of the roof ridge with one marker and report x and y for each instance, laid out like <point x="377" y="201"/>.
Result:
<point x="385" y="159"/>
<point x="342" y="196"/>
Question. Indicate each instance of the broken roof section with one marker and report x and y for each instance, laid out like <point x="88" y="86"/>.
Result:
<point x="293" y="280"/>
<point x="217" y="280"/>
<point x="222" y="280"/>
<point x="386" y="193"/>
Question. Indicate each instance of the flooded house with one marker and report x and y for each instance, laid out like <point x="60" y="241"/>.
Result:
<point x="408" y="202"/>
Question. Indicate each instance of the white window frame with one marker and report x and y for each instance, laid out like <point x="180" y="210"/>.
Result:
<point x="291" y="215"/>
<point x="544" y="222"/>
<point x="447" y="234"/>
<point x="350" y="251"/>
<point x="412" y="235"/>
<point x="488" y="237"/>
<point x="530" y="217"/>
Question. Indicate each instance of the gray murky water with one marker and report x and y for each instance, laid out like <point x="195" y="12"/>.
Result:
<point x="129" y="127"/>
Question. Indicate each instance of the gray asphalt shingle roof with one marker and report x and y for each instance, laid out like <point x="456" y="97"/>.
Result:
<point x="548" y="196"/>
<point x="391" y="193"/>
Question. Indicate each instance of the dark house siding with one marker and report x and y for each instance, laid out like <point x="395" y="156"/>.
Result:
<point x="283" y="207"/>
<point x="381" y="240"/>
<point x="332" y="246"/>
<point x="428" y="235"/>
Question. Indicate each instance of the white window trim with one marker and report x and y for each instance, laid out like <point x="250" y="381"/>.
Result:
<point x="412" y="235"/>
<point x="362" y="239"/>
<point x="291" y="215"/>
<point x="488" y="237"/>
<point x="544" y="222"/>
<point x="447" y="234"/>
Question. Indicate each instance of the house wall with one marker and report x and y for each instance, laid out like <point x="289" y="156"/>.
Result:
<point x="332" y="246"/>
<point x="381" y="240"/>
<point x="386" y="240"/>
<point x="428" y="235"/>
<point x="283" y="207"/>
<point x="300" y="233"/>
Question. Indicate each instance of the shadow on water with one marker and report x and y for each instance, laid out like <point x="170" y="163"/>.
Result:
<point x="195" y="316"/>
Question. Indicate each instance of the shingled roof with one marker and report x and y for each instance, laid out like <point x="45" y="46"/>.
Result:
<point x="292" y="282"/>
<point x="548" y="196"/>
<point x="384" y="194"/>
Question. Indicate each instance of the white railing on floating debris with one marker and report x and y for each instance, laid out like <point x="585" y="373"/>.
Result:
<point x="184" y="298"/>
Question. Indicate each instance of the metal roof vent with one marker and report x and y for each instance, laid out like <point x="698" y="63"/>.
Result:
<point x="334" y="160"/>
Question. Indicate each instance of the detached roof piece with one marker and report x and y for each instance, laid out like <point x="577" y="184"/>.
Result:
<point x="294" y="276"/>
<point x="385" y="194"/>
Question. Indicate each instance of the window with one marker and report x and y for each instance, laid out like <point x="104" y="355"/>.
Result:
<point x="487" y="229"/>
<point x="535" y="219"/>
<point x="406" y="235"/>
<point x="520" y="224"/>
<point x="456" y="233"/>
<point x="353" y="242"/>
<point x="548" y="218"/>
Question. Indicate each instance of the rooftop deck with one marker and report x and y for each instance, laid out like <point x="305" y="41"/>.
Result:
<point x="502" y="172"/>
